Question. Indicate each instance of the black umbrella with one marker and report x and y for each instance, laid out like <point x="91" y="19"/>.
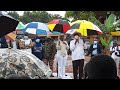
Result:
<point x="7" y="24"/>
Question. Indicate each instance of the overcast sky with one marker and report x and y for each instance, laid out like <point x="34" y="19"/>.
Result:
<point x="62" y="13"/>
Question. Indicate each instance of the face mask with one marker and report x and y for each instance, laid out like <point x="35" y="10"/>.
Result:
<point x="76" y="37"/>
<point x="26" y="37"/>
<point x="95" y="42"/>
<point x="37" y="40"/>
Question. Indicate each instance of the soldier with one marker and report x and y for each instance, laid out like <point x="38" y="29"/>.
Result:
<point x="49" y="51"/>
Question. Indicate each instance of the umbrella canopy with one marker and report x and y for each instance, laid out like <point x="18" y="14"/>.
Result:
<point x="7" y="24"/>
<point x="14" y="61"/>
<point x="36" y="28"/>
<point x="59" y="25"/>
<point x="11" y="36"/>
<point x="84" y="27"/>
<point x="20" y="26"/>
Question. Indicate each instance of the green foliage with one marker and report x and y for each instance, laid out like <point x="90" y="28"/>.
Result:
<point x="109" y="23"/>
<point x="14" y="14"/>
<point x="107" y="28"/>
<point x="81" y="15"/>
<point x="36" y="16"/>
<point x="103" y="41"/>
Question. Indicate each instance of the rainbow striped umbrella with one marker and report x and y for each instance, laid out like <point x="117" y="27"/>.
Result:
<point x="59" y="25"/>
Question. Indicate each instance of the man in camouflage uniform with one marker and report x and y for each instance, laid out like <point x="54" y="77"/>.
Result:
<point x="49" y="50"/>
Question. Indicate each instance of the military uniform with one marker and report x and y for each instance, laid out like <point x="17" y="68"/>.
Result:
<point x="49" y="50"/>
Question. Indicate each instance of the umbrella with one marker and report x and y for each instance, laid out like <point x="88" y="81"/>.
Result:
<point x="11" y="36"/>
<point x="84" y="27"/>
<point x="20" y="26"/>
<point x="59" y="25"/>
<point x="7" y="24"/>
<point x="36" y="28"/>
<point x="14" y="61"/>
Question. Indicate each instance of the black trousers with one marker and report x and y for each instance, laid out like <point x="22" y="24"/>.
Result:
<point x="78" y="68"/>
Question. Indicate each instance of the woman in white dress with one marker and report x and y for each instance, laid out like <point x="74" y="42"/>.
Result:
<point x="61" y="56"/>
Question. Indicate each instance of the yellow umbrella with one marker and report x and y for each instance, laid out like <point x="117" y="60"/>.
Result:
<point x="84" y="27"/>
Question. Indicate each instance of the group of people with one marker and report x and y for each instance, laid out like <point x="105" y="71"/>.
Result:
<point x="51" y="50"/>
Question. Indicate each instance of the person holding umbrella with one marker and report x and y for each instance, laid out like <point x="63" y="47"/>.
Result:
<point x="78" y="55"/>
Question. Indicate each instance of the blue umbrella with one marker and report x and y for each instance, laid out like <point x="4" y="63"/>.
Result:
<point x="36" y="28"/>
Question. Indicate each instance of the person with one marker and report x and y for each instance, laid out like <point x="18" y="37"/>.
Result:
<point x="17" y="41"/>
<point x="101" y="67"/>
<point x="78" y="55"/>
<point x="37" y="49"/>
<point x="61" y="56"/>
<point x="95" y="49"/>
<point x="49" y="51"/>
<point x="115" y="54"/>
<point x="3" y="42"/>
<point x="26" y="43"/>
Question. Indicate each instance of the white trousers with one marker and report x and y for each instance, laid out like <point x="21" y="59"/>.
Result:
<point x="61" y="65"/>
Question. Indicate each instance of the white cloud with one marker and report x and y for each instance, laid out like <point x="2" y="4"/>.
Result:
<point x="20" y="12"/>
<point x="62" y="13"/>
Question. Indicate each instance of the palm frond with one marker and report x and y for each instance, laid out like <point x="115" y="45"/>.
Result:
<point x="109" y="23"/>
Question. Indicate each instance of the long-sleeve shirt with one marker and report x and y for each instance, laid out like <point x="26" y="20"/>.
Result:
<point x="62" y="48"/>
<point x="77" y="49"/>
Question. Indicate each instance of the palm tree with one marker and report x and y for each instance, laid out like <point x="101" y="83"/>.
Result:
<point x="107" y="28"/>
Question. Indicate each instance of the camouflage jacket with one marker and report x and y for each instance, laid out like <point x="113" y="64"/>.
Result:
<point x="49" y="50"/>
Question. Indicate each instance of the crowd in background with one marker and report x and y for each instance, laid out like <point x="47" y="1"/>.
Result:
<point x="60" y="48"/>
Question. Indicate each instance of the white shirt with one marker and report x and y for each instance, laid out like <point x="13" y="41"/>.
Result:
<point x="94" y="52"/>
<point x="77" y="50"/>
<point x="62" y="48"/>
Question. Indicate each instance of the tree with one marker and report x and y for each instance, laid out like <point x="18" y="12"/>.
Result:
<point x="14" y="14"/>
<point x="82" y="15"/>
<point x="107" y="28"/>
<point x="56" y="16"/>
<point x="38" y="16"/>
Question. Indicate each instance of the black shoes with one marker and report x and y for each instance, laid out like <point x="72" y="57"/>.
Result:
<point x="52" y="75"/>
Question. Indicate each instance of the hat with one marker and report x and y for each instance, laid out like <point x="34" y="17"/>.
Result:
<point x="77" y="33"/>
<point x="26" y="34"/>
